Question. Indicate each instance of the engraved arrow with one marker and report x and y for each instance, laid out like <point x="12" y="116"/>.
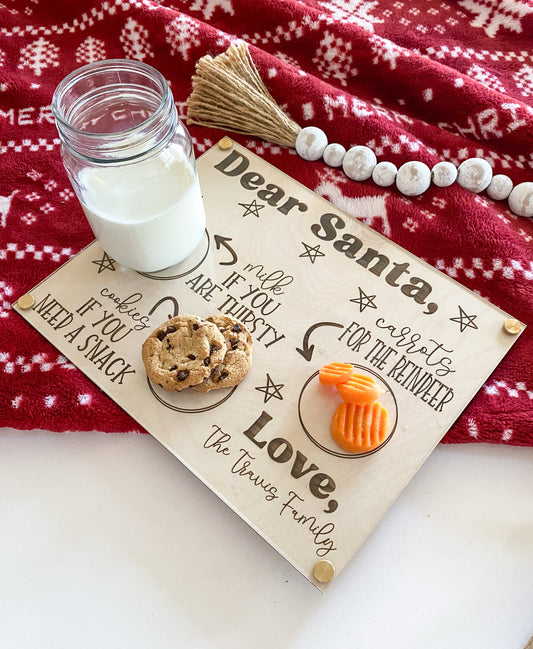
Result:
<point x="307" y="350"/>
<point x="223" y="241"/>
<point x="170" y="299"/>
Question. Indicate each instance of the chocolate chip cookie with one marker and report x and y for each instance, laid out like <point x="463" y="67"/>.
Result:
<point x="182" y="352"/>
<point x="238" y="359"/>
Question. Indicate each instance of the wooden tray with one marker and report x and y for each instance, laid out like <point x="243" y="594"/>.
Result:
<point x="313" y="285"/>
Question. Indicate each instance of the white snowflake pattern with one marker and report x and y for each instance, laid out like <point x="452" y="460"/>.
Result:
<point x="39" y="55"/>
<point x="33" y="196"/>
<point x="6" y="297"/>
<point x="182" y="35"/>
<point x="34" y="175"/>
<point x="333" y="58"/>
<point x="386" y="51"/>
<point x="524" y="80"/>
<point x="47" y="208"/>
<point x="207" y="7"/>
<point x="290" y="60"/>
<point x="485" y="77"/>
<point x="493" y="14"/>
<point x="66" y="194"/>
<point x="439" y="202"/>
<point x="357" y="12"/>
<point x="410" y="224"/>
<point x="91" y="50"/>
<point x="50" y="185"/>
<point x="28" y="218"/>
<point x="135" y="40"/>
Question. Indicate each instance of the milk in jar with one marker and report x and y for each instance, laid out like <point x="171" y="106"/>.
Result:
<point x="148" y="215"/>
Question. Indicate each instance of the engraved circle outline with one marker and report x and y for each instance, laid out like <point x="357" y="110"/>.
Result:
<point x="349" y="456"/>
<point x="187" y="272"/>
<point x="188" y="410"/>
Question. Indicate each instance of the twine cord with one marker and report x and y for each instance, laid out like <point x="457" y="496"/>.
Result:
<point x="228" y="93"/>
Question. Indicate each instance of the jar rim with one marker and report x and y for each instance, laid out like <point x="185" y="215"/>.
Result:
<point x="109" y="64"/>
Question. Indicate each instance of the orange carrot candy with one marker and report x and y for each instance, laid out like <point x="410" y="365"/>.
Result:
<point x="333" y="373"/>
<point x="359" y="429"/>
<point x="359" y="389"/>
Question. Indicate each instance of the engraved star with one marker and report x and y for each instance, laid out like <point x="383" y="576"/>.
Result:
<point x="106" y="263"/>
<point x="364" y="300"/>
<point x="312" y="252"/>
<point x="271" y="389"/>
<point x="251" y="208"/>
<point x="465" y="321"/>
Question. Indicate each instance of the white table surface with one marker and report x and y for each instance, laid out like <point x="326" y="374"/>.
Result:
<point x="108" y="541"/>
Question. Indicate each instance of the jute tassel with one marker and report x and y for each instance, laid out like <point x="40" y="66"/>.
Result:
<point x="229" y="94"/>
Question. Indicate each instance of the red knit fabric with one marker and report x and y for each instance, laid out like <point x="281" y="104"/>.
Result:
<point x="412" y="79"/>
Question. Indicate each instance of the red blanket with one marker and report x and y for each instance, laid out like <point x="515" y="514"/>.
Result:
<point x="412" y="79"/>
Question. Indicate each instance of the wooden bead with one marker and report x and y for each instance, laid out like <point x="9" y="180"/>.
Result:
<point x="521" y="199"/>
<point x="499" y="187"/>
<point x="444" y="174"/>
<point x="384" y="174"/>
<point x="359" y="162"/>
<point x="333" y="154"/>
<point x="474" y="174"/>
<point x="310" y="143"/>
<point x="413" y="178"/>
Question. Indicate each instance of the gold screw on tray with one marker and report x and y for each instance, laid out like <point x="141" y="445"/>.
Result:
<point x="225" y="143"/>
<point x="324" y="571"/>
<point x="512" y="327"/>
<point x="26" y="301"/>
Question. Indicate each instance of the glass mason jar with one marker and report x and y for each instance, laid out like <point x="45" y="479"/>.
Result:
<point x="131" y="163"/>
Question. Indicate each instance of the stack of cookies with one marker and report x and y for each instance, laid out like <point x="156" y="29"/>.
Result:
<point x="205" y="354"/>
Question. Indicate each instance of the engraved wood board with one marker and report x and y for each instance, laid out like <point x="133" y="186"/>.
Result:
<point x="313" y="285"/>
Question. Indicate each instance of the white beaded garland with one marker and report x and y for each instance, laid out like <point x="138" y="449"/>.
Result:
<point x="384" y="174"/>
<point x="521" y="199"/>
<point x="310" y="143"/>
<point x="333" y="154"/>
<point x="359" y="162"/>
<point x="474" y="174"/>
<point x="413" y="178"/>
<point x="444" y="174"/>
<point x="499" y="187"/>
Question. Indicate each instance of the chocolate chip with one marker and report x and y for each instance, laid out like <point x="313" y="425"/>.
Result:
<point x="192" y="357"/>
<point x="213" y="348"/>
<point x="182" y="375"/>
<point x="222" y="329"/>
<point x="223" y="375"/>
<point x="174" y="367"/>
<point x="171" y="329"/>
<point x="161" y="335"/>
<point x="237" y="328"/>
<point x="196" y="326"/>
<point x="234" y="343"/>
<point x="207" y="361"/>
